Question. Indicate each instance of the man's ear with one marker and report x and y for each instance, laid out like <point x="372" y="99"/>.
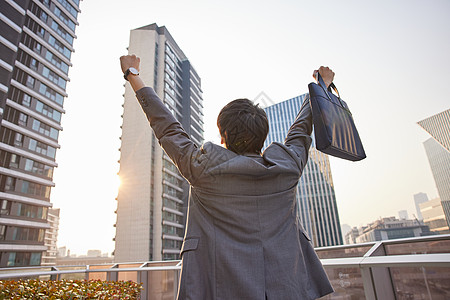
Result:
<point x="222" y="140"/>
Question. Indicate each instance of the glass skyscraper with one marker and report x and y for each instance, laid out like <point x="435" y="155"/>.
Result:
<point x="152" y="198"/>
<point x="315" y="192"/>
<point x="438" y="153"/>
<point x="36" y="40"/>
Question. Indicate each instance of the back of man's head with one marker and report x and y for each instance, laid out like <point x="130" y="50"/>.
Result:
<point x="243" y="126"/>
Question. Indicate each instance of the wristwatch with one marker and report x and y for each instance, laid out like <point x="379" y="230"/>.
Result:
<point x="132" y="71"/>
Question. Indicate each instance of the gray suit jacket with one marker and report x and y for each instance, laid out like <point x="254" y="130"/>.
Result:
<point x="243" y="237"/>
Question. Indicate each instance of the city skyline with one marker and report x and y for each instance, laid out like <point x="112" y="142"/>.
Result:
<point x="389" y="58"/>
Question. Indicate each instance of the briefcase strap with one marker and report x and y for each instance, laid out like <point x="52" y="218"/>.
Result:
<point x="323" y="85"/>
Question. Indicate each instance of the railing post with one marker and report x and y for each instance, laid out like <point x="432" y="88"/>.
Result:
<point x="369" y="289"/>
<point x="377" y="280"/>
<point x="112" y="276"/>
<point x="54" y="276"/>
<point x="142" y="277"/>
<point x="176" y="283"/>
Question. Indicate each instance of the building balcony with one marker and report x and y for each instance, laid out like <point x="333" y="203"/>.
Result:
<point x="413" y="268"/>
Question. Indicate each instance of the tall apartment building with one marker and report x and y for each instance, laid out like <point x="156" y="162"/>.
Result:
<point x="51" y="238"/>
<point x="36" y="39"/>
<point x="438" y="153"/>
<point x="316" y="199"/>
<point x="152" y="198"/>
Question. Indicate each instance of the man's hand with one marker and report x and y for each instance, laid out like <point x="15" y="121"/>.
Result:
<point x="128" y="61"/>
<point x="326" y="73"/>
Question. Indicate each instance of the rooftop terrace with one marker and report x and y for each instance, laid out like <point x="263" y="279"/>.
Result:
<point x="413" y="268"/>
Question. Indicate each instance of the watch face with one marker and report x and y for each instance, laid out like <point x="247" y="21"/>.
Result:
<point x="134" y="71"/>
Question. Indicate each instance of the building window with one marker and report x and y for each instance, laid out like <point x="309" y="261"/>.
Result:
<point x="69" y="7"/>
<point x="23" y="118"/>
<point x="48" y="111"/>
<point x="41" y="148"/>
<point x="10" y="183"/>
<point x="30" y="82"/>
<point x="27" y="234"/>
<point x="49" y="93"/>
<point x="37" y="48"/>
<point x="35" y="189"/>
<point x="59" y="46"/>
<point x="20" y="259"/>
<point x="14" y="163"/>
<point x="18" y="140"/>
<point x="38" y="168"/>
<point x="43" y="16"/>
<point x="52" y="76"/>
<point x="64" y="34"/>
<point x="63" y="17"/>
<point x="56" y="61"/>
<point x="45" y="129"/>
<point x="31" y="211"/>
<point x="26" y="100"/>
<point x="5" y="207"/>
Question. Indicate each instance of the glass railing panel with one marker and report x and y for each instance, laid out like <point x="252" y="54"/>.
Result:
<point x="421" y="282"/>
<point x="99" y="275"/>
<point x="341" y="252"/>
<point x="347" y="283"/>
<point x="162" y="284"/>
<point x="125" y="276"/>
<point x="419" y="247"/>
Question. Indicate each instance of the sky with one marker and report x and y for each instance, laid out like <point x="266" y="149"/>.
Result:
<point x="391" y="60"/>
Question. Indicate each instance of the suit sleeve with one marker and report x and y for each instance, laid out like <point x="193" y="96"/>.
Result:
<point x="169" y="132"/>
<point x="298" y="138"/>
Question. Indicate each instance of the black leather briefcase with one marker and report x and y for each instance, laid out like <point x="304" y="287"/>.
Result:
<point x="334" y="129"/>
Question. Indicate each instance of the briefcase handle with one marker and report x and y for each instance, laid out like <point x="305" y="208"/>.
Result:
<point x="323" y="85"/>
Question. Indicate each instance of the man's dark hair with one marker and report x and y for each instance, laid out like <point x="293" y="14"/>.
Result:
<point x="243" y="126"/>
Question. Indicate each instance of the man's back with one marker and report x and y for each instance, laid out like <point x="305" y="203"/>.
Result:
<point x="243" y="239"/>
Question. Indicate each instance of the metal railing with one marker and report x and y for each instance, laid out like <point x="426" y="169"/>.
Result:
<point x="413" y="268"/>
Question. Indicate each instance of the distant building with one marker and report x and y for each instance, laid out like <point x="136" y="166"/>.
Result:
<point x="152" y="198"/>
<point x="434" y="216"/>
<point x="403" y="215"/>
<point x="418" y="199"/>
<point x="438" y="153"/>
<point x="391" y="228"/>
<point x="62" y="251"/>
<point x="316" y="200"/>
<point x="94" y="253"/>
<point x="350" y="236"/>
<point x="83" y="260"/>
<point x="51" y="238"/>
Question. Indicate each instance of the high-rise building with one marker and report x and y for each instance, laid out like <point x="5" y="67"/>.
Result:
<point x="434" y="216"/>
<point x="51" y="238"/>
<point x="438" y="126"/>
<point x="419" y="198"/>
<point x="316" y="199"/>
<point x="438" y="152"/>
<point x="36" y="40"/>
<point x="152" y="198"/>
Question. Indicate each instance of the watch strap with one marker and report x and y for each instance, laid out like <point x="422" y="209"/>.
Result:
<point x="125" y="75"/>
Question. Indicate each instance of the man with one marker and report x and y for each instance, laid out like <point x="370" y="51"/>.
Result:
<point x="243" y="237"/>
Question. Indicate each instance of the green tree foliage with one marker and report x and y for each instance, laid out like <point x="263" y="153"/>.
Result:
<point x="69" y="289"/>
